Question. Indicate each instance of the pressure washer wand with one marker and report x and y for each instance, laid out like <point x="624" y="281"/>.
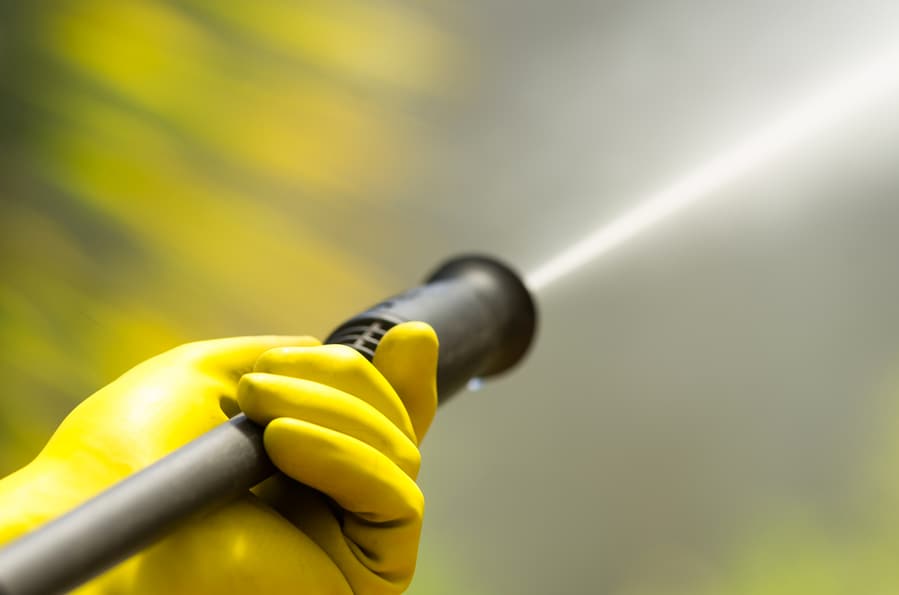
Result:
<point x="484" y="318"/>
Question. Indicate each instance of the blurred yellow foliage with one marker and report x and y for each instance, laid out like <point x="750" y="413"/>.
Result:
<point x="178" y="171"/>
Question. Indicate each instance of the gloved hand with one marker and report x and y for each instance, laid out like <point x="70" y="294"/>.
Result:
<point x="344" y="428"/>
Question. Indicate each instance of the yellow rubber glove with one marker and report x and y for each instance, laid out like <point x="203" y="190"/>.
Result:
<point x="346" y="428"/>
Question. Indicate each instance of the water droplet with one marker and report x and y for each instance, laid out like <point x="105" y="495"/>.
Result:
<point x="475" y="384"/>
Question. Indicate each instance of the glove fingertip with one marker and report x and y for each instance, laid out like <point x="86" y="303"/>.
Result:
<point x="407" y="357"/>
<point x="251" y="397"/>
<point x="409" y="340"/>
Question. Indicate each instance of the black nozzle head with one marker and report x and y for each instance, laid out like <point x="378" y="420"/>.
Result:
<point x="511" y="306"/>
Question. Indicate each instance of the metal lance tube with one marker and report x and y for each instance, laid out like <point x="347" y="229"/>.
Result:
<point x="485" y="320"/>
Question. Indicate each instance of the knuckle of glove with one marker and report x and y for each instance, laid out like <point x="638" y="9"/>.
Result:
<point x="340" y="358"/>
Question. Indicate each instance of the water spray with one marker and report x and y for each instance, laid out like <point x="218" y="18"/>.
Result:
<point x="484" y="318"/>
<point x="826" y="106"/>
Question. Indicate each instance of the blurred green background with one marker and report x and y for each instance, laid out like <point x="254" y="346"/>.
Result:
<point x="713" y="409"/>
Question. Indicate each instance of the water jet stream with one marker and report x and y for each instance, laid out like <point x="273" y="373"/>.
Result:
<point x="806" y="120"/>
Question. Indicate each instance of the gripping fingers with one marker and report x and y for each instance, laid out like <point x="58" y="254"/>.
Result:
<point x="348" y="429"/>
<point x="265" y="397"/>
<point x="361" y="479"/>
<point x="343" y="368"/>
<point x="376" y="542"/>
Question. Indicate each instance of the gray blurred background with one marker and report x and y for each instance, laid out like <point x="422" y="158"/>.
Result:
<point x="720" y="377"/>
<point x="711" y="408"/>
